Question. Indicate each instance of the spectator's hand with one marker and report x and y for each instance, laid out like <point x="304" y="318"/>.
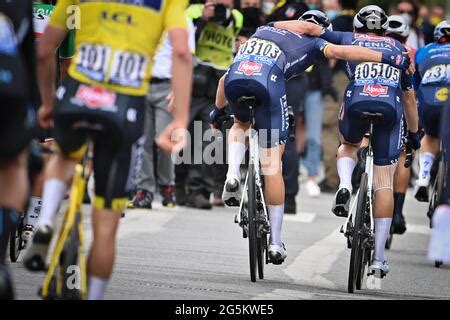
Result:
<point x="208" y="11"/>
<point x="214" y="116"/>
<point x="173" y="138"/>
<point x="45" y="117"/>
<point x="170" y="97"/>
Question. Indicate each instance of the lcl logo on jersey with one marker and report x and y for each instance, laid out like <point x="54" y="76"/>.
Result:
<point x="249" y="67"/>
<point x="119" y="17"/>
<point x="375" y="90"/>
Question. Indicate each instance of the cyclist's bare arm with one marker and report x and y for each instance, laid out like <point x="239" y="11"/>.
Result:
<point x="300" y="27"/>
<point x="352" y="53"/>
<point x="221" y="100"/>
<point x="181" y="75"/>
<point x="410" y="107"/>
<point x="173" y="137"/>
<point x="46" y="48"/>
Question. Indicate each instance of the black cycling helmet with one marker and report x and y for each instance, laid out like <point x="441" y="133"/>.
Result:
<point x="442" y="32"/>
<point x="371" y="19"/>
<point x="317" y="17"/>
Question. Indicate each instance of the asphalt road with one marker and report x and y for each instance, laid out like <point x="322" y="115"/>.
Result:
<point x="182" y="253"/>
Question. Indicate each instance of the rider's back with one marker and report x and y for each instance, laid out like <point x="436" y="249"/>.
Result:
<point x="115" y="40"/>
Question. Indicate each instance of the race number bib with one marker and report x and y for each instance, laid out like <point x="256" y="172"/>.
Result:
<point x="373" y="73"/>
<point x="258" y="47"/>
<point x="437" y="74"/>
<point x="93" y="61"/>
<point x="123" y="68"/>
<point x="128" y="69"/>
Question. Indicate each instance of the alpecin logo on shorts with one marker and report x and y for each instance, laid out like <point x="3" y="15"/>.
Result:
<point x="249" y="67"/>
<point x="375" y="90"/>
<point x="95" y="97"/>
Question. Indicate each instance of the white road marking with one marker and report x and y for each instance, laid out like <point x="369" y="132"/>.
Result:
<point x="310" y="266"/>
<point x="304" y="217"/>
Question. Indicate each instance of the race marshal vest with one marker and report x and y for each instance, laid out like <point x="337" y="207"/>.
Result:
<point x="216" y="43"/>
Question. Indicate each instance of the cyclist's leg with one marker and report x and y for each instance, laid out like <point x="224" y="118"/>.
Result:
<point x="14" y="138"/>
<point x="439" y="248"/>
<point x="401" y="182"/>
<point x="352" y="134"/>
<point x="116" y="168"/>
<point x="386" y="149"/>
<point x="430" y="116"/>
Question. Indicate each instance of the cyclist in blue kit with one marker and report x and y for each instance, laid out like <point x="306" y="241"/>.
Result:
<point x="433" y="75"/>
<point x="263" y="64"/>
<point x="376" y="88"/>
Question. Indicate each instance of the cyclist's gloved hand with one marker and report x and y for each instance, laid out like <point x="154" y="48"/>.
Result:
<point x="401" y="61"/>
<point x="214" y="115"/>
<point x="413" y="140"/>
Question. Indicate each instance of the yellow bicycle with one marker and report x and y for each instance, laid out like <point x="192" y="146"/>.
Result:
<point x="66" y="275"/>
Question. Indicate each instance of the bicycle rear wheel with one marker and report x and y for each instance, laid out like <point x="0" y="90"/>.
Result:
<point x="356" y="257"/>
<point x="262" y="247"/>
<point x="252" y="224"/>
<point x="69" y="265"/>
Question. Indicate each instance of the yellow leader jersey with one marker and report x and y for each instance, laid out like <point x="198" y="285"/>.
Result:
<point x="116" y="39"/>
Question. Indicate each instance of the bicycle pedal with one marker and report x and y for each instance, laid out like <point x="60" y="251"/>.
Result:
<point x="232" y="202"/>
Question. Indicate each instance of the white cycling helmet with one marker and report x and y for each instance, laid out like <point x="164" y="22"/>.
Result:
<point x="398" y="25"/>
<point x="317" y="17"/>
<point x="371" y="19"/>
<point x="442" y="32"/>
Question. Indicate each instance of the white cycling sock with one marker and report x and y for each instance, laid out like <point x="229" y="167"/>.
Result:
<point x="54" y="192"/>
<point x="345" y="167"/>
<point x="34" y="208"/>
<point x="236" y="154"/>
<point x="382" y="229"/>
<point x="426" y="160"/>
<point x="276" y="213"/>
<point x="97" y="288"/>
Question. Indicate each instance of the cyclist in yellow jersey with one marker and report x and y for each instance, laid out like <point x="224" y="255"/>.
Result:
<point x="104" y="96"/>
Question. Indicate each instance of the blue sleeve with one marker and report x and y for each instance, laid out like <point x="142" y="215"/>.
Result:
<point x="407" y="81"/>
<point x="335" y="37"/>
<point x="319" y="48"/>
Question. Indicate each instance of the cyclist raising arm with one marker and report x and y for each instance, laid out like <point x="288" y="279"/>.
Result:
<point x="106" y="93"/>
<point x="261" y="73"/>
<point x="373" y="88"/>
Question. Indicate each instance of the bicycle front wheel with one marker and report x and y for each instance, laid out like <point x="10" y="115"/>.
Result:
<point x="252" y="224"/>
<point x="355" y="272"/>
<point x="15" y="242"/>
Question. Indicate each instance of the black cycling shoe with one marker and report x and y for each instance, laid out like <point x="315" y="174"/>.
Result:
<point x="398" y="224"/>
<point x="422" y="194"/>
<point x="341" y="203"/>
<point x="6" y="286"/>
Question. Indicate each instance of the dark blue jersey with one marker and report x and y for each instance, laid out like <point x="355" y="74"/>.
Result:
<point x="433" y="64"/>
<point x="372" y="73"/>
<point x="293" y="53"/>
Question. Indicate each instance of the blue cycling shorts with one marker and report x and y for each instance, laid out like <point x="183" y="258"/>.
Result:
<point x="387" y="136"/>
<point x="267" y="84"/>
<point x="431" y="100"/>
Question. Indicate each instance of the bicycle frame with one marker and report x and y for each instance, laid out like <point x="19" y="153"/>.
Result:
<point x="369" y="171"/>
<point x="253" y="158"/>
<point x="73" y="218"/>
